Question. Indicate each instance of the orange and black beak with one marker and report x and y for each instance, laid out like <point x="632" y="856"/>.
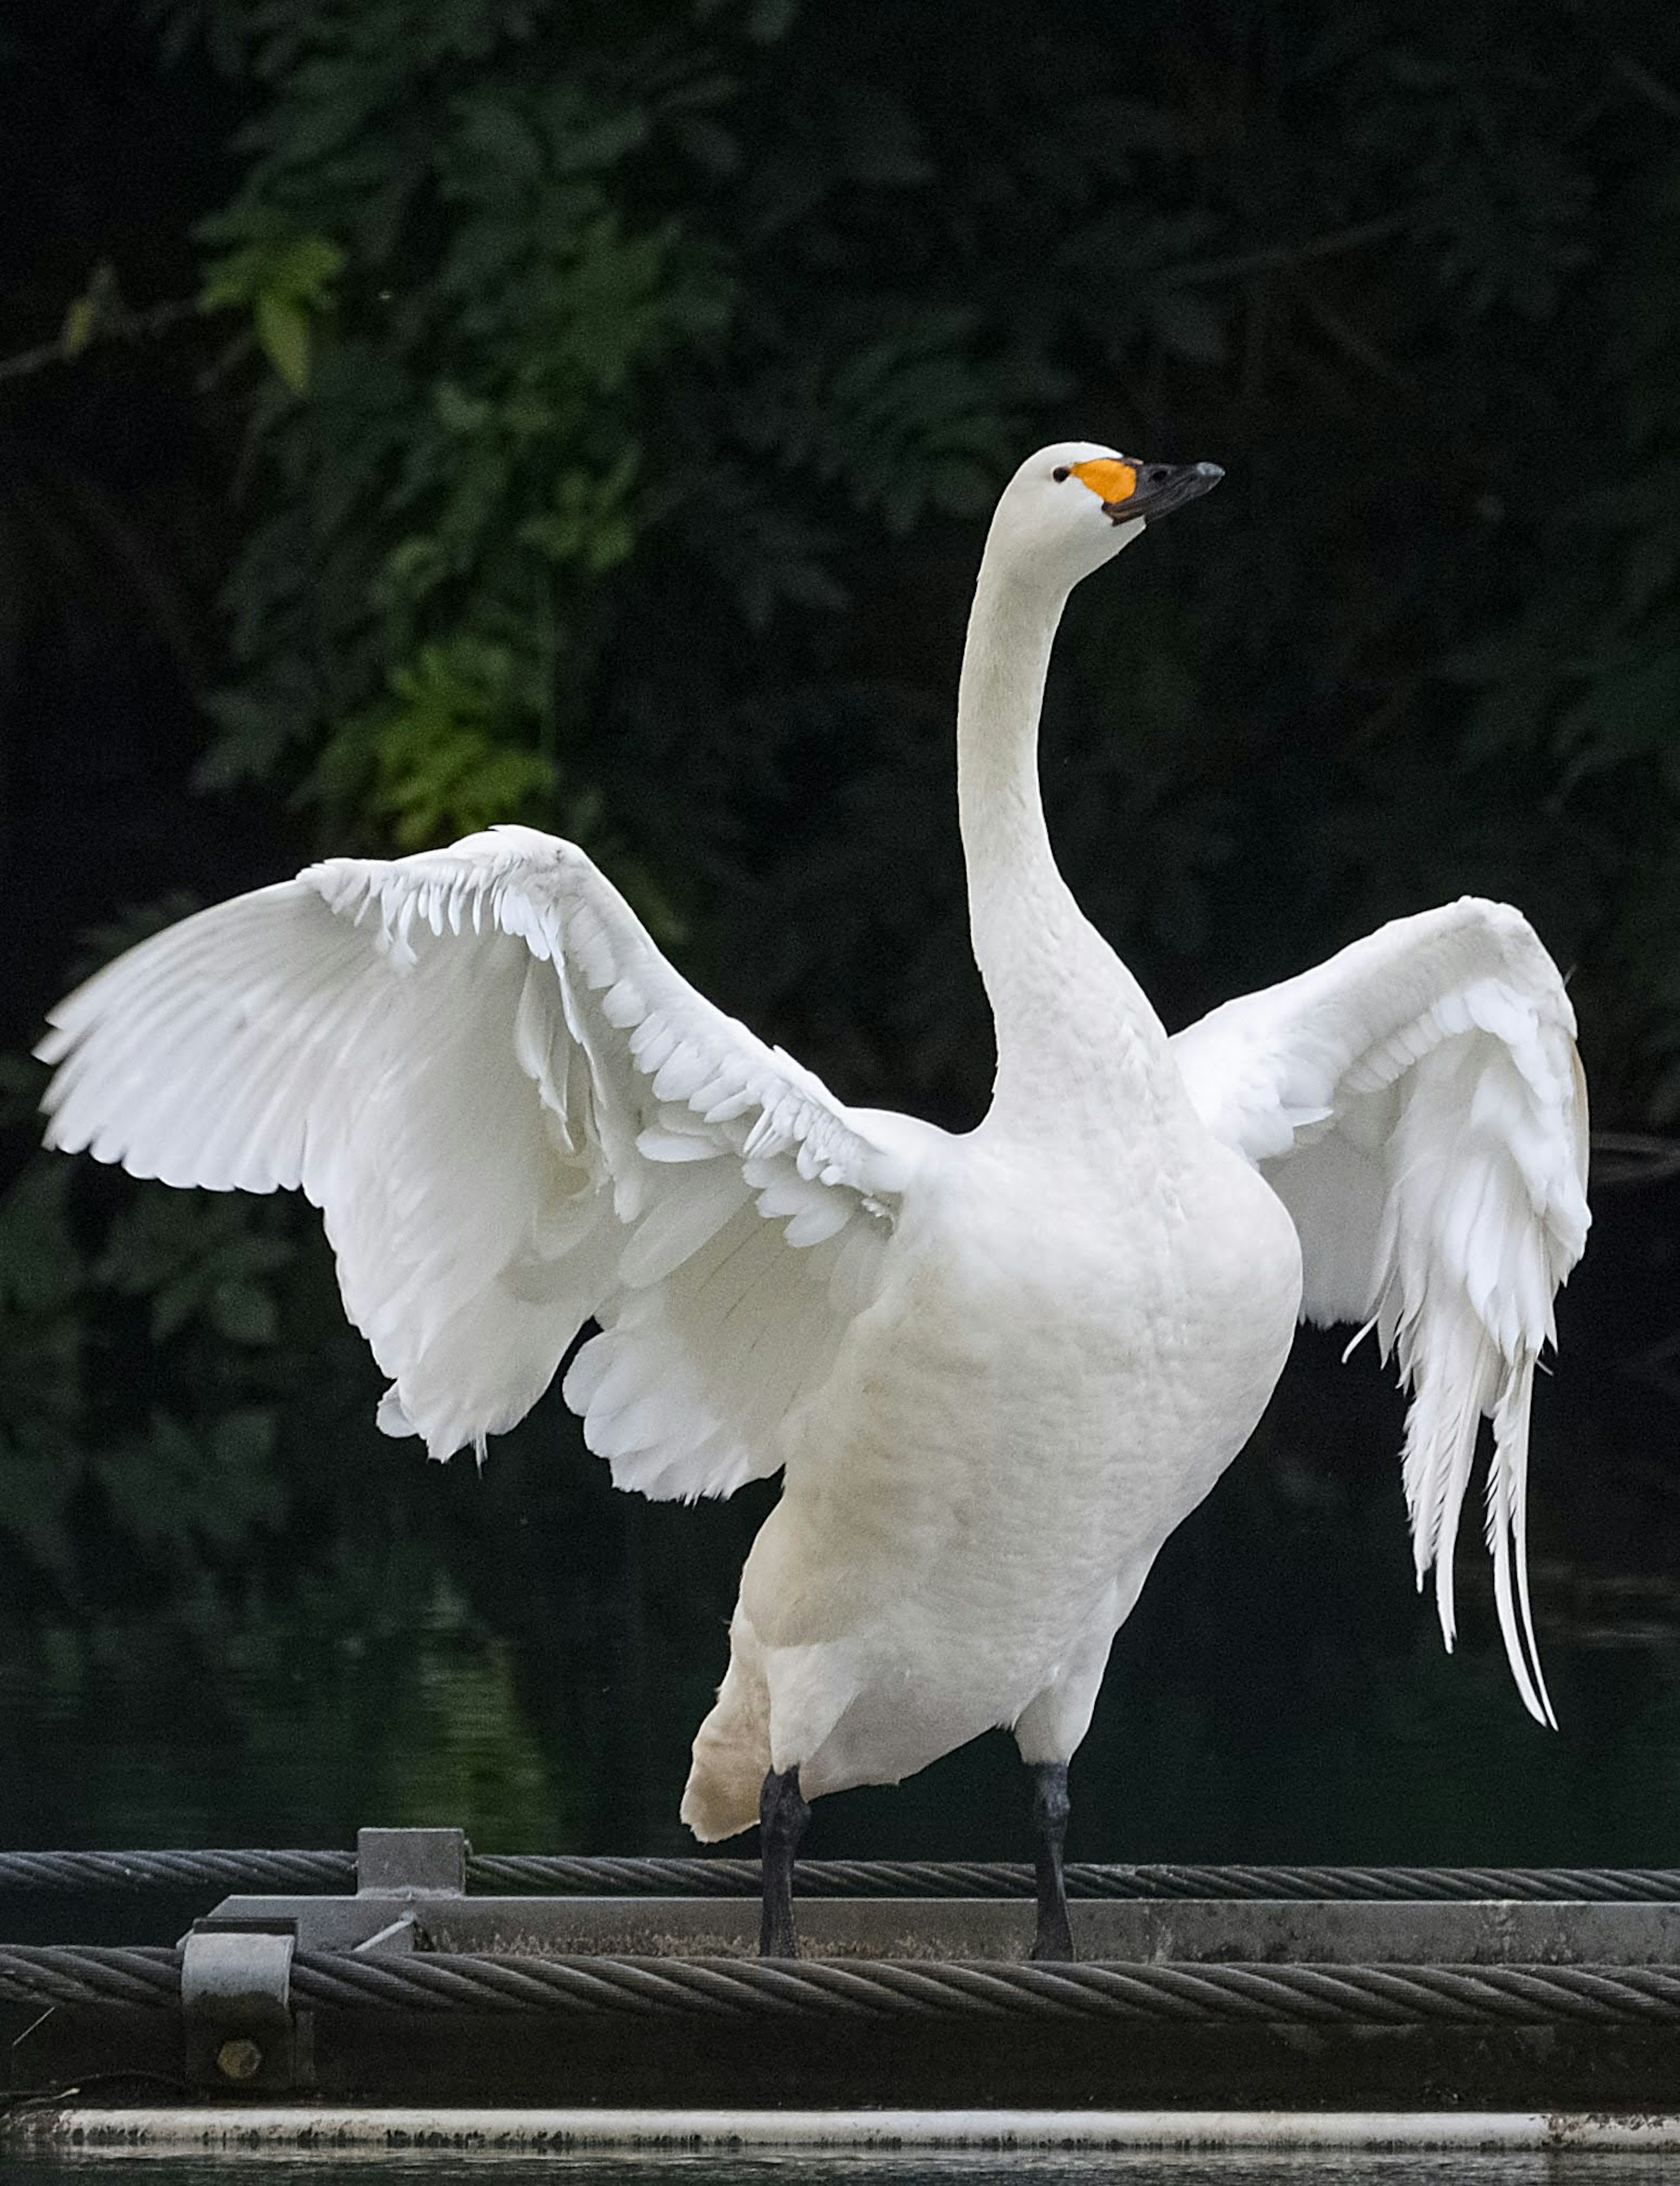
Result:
<point x="1144" y="490"/>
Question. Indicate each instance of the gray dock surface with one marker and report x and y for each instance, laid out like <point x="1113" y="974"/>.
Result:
<point x="1260" y="1930"/>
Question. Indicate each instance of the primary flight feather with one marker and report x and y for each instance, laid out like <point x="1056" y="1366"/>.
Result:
<point x="995" y="1370"/>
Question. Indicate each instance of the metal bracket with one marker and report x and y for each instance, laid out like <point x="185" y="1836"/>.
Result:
<point x="242" y="2033"/>
<point x="406" y="1880"/>
<point x="411" y="1863"/>
<point x="236" y="2005"/>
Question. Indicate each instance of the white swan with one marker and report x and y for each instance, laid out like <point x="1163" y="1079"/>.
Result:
<point x="995" y="1370"/>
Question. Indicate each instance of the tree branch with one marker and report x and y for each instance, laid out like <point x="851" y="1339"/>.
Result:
<point x="130" y="325"/>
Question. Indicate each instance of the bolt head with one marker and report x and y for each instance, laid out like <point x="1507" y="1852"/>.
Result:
<point x="240" y="2059"/>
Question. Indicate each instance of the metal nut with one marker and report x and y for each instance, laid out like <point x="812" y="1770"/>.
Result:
<point x="238" y="2059"/>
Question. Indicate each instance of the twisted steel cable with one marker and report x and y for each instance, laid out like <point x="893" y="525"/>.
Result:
<point x="66" y="1973"/>
<point x="291" y="1872"/>
<point x="881" y="1877"/>
<point x="662" y="1988"/>
<point x="270" y="1871"/>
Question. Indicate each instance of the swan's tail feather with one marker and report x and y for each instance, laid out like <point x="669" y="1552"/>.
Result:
<point x="731" y="1750"/>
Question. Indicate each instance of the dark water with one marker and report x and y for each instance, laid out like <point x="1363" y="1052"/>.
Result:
<point x="791" y="2169"/>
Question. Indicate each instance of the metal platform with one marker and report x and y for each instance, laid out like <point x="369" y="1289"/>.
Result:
<point x="944" y="1928"/>
<point x="412" y="1992"/>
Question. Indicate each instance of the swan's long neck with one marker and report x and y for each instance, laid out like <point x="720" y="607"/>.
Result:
<point x="1074" y="1029"/>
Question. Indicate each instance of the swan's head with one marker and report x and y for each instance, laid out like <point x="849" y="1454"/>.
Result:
<point x="1072" y="506"/>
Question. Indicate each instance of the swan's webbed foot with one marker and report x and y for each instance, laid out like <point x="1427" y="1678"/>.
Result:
<point x="1055" y="1938"/>
<point x="783" y="1813"/>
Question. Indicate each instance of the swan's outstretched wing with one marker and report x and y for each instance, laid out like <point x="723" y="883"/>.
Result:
<point x="514" y="1113"/>
<point x="1418" y="1104"/>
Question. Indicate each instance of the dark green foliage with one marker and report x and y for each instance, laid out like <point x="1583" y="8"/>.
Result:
<point x="621" y="391"/>
<point x="637" y="378"/>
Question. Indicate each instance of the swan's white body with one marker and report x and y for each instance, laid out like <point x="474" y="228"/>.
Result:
<point x="975" y="1499"/>
<point x="995" y="1370"/>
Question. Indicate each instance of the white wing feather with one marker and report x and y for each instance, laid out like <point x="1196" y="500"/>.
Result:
<point x="1418" y="1105"/>
<point x="514" y="1113"/>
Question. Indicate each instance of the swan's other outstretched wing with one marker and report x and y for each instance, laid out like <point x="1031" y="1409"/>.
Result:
<point x="1418" y="1104"/>
<point x="514" y="1113"/>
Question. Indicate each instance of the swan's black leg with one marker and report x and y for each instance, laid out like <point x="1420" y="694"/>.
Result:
<point x="1055" y="1939"/>
<point x="782" y="1816"/>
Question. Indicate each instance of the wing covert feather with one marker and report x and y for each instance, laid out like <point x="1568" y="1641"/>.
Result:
<point x="1418" y="1104"/>
<point x="514" y="1113"/>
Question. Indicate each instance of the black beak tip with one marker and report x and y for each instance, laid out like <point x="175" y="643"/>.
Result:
<point x="1164" y="487"/>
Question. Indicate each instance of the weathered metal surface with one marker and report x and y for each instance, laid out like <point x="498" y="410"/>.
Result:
<point x="316" y="2126"/>
<point x="1141" y="1930"/>
<point x="469" y="2057"/>
<point x="235" y="2008"/>
<point x="404" y="1862"/>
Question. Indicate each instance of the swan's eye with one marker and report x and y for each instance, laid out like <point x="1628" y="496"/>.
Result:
<point x="1061" y="474"/>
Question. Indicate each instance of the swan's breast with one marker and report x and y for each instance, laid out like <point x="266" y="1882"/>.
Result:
<point x="1057" y="1370"/>
<point x="1052" y="1317"/>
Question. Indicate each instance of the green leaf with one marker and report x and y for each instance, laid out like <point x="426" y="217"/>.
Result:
<point x="495" y="132"/>
<point x="289" y="268"/>
<point x="82" y="323"/>
<point x="100" y="305"/>
<point x="460" y="412"/>
<point x="600" y="143"/>
<point x="283" y="330"/>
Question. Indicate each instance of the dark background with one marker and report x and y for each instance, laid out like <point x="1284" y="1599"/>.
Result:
<point x="419" y="412"/>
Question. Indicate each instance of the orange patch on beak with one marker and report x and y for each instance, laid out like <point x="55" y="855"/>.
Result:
<point x="1110" y="480"/>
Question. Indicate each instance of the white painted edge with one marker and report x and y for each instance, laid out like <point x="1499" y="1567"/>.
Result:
<point x="295" y="2127"/>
